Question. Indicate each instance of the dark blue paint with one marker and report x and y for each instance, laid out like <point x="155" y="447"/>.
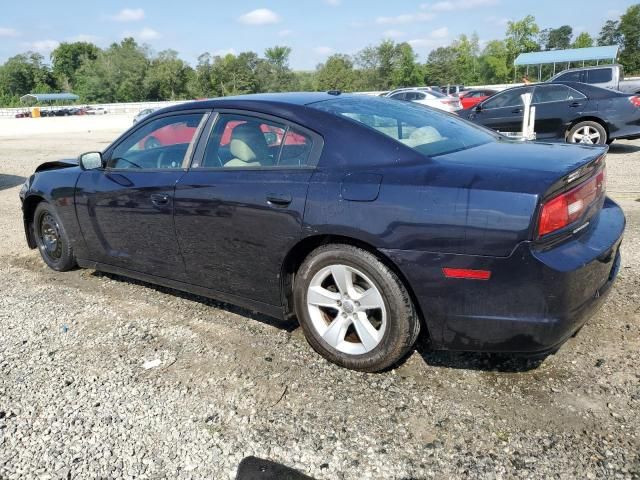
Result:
<point x="222" y="234"/>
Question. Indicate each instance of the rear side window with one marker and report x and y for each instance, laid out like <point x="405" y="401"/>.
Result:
<point x="239" y="141"/>
<point x="599" y="75"/>
<point x="427" y="131"/>
<point x="550" y="93"/>
<point x="399" y="96"/>
<point x="570" y="77"/>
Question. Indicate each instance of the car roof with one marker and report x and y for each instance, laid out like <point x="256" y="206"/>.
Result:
<point x="590" y="91"/>
<point x="291" y="98"/>
<point x="606" y="65"/>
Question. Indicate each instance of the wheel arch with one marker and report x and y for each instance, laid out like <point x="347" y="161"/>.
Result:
<point x="300" y="251"/>
<point x="587" y="119"/>
<point x="28" y="210"/>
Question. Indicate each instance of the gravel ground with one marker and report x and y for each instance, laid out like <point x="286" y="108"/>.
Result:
<point x="76" y="401"/>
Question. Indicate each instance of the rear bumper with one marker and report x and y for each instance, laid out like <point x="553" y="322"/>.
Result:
<point x="533" y="302"/>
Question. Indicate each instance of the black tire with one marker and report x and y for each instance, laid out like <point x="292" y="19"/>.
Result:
<point x="602" y="133"/>
<point x="402" y="320"/>
<point x="52" y="239"/>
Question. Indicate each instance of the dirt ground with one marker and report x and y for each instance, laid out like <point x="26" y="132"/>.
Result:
<point x="75" y="401"/>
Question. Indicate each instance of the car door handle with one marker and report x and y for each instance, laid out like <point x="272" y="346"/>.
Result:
<point x="575" y="104"/>
<point x="160" y="199"/>
<point x="279" y="199"/>
<point x="517" y="110"/>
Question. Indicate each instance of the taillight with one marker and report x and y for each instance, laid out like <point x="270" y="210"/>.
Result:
<point x="569" y="206"/>
<point x="635" y="100"/>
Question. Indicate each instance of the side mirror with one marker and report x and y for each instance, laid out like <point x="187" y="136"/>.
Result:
<point x="90" y="160"/>
<point x="478" y="108"/>
<point x="271" y="138"/>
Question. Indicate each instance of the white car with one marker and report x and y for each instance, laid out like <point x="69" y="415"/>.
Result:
<point x="426" y="97"/>
<point x="143" y="113"/>
<point x="95" y="111"/>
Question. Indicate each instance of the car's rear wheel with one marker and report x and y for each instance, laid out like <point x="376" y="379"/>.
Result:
<point x="52" y="239"/>
<point x="353" y="309"/>
<point x="587" y="132"/>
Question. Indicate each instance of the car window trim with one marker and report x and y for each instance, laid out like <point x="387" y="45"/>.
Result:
<point x="125" y="136"/>
<point x="314" y="155"/>
<point x="504" y="106"/>
<point x="582" y="95"/>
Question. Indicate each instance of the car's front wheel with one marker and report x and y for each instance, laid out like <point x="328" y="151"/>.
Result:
<point x="52" y="239"/>
<point x="353" y="309"/>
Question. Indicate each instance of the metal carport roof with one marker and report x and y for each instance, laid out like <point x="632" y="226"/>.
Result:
<point x="49" y="97"/>
<point x="570" y="55"/>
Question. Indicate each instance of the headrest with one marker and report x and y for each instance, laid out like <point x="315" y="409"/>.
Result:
<point x="248" y="143"/>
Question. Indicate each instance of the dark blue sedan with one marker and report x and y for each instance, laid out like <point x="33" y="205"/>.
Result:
<point x="367" y="219"/>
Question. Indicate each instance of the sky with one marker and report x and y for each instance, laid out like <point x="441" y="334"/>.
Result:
<point x="314" y="29"/>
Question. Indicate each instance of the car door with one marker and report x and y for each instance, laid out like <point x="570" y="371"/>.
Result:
<point x="125" y="210"/>
<point x="556" y="107"/>
<point x="503" y="111"/>
<point x="239" y="208"/>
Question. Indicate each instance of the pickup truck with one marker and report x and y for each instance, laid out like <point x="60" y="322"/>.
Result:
<point x="605" y="76"/>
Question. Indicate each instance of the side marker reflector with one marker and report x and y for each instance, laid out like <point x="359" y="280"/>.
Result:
<point x="466" y="273"/>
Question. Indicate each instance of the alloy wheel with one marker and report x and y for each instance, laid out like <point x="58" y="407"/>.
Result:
<point x="347" y="309"/>
<point x="586" y="134"/>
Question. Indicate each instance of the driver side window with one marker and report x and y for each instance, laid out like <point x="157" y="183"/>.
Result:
<point x="160" y="144"/>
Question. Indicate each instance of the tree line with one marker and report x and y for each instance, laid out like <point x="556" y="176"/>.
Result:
<point x="130" y="72"/>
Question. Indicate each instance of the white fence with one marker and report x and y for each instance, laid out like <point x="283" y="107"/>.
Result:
<point x="112" y="108"/>
<point x="135" y="107"/>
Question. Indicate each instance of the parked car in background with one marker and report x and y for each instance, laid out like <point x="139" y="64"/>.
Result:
<point x="605" y="76"/>
<point x="452" y="90"/>
<point x="25" y="114"/>
<point x="385" y="218"/>
<point x="567" y="111"/>
<point x="143" y="113"/>
<point x="470" y="98"/>
<point x="426" y="97"/>
<point x="95" y="111"/>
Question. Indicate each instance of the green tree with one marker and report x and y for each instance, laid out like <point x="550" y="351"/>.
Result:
<point x="201" y="86"/>
<point x="279" y="77"/>
<point x="407" y="72"/>
<point x="67" y="59"/>
<point x="25" y="73"/>
<point x="168" y="77"/>
<point x="582" y="41"/>
<point x="630" y="31"/>
<point x="441" y="66"/>
<point x="610" y="33"/>
<point x="467" y="64"/>
<point x="116" y="75"/>
<point x="494" y="64"/>
<point x="336" y="74"/>
<point x="559" y="38"/>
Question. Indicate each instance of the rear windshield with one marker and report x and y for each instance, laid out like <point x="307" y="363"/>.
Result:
<point x="426" y="130"/>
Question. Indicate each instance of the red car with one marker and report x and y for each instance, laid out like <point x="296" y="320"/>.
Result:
<point x="182" y="133"/>
<point x="471" y="98"/>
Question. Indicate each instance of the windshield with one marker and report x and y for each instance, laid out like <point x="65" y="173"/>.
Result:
<point x="437" y="94"/>
<point x="426" y="130"/>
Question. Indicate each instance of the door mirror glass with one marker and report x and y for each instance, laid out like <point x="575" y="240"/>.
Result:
<point x="91" y="160"/>
<point x="478" y="107"/>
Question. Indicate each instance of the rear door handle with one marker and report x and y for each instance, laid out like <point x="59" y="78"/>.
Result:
<point x="160" y="199"/>
<point x="575" y="104"/>
<point x="279" y="199"/>
<point x="517" y="110"/>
